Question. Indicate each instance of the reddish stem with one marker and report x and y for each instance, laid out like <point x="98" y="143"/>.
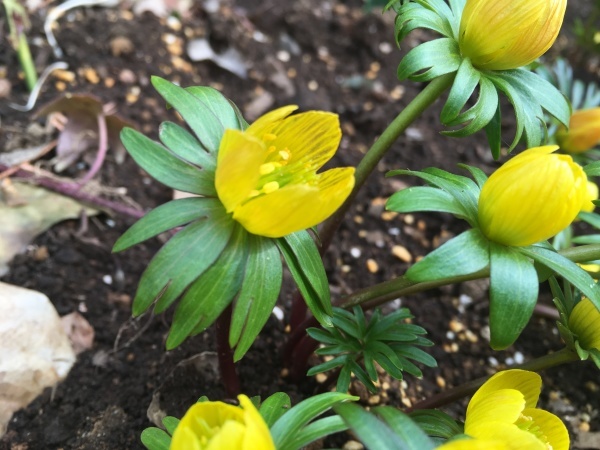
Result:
<point x="101" y="154"/>
<point x="229" y="376"/>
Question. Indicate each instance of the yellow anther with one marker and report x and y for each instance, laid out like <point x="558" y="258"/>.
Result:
<point x="266" y="168"/>
<point x="269" y="137"/>
<point x="271" y="149"/>
<point x="253" y="193"/>
<point x="271" y="186"/>
<point x="285" y="154"/>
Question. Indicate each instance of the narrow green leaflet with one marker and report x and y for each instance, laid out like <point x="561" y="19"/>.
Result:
<point x="207" y="127"/>
<point x="218" y="104"/>
<point x="424" y="198"/>
<point x="514" y="290"/>
<point x="404" y="427"/>
<point x="436" y="423"/>
<point x="430" y="60"/>
<point x="465" y="254"/>
<point x="289" y="425"/>
<point x="170" y="424"/>
<point x="371" y="431"/>
<point x="318" y="430"/>
<point x="413" y="15"/>
<point x="155" y="439"/>
<point x="258" y="295"/>
<point x="165" y="217"/>
<point x="467" y="79"/>
<point x="478" y="175"/>
<point x="165" y="167"/>
<point x="183" y="259"/>
<point x="181" y="142"/>
<point x="306" y="266"/>
<point x="593" y="169"/>
<point x="274" y="407"/>
<point x="493" y="132"/>
<point x="212" y="292"/>
<point x="567" y="269"/>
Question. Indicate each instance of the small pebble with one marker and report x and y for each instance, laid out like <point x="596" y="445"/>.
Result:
<point x="519" y="358"/>
<point x="456" y="326"/>
<point x="493" y="361"/>
<point x="127" y="76"/>
<point x="353" y="445"/>
<point x="440" y="382"/>
<point x="509" y="361"/>
<point x="121" y="45"/>
<point x="374" y="400"/>
<point x="90" y="75"/>
<point x="584" y="426"/>
<point x="313" y="85"/>
<point x="372" y="265"/>
<point x="5" y="88"/>
<point x="355" y="252"/>
<point x="321" y="378"/>
<point x="401" y="253"/>
<point x="107" y="279"/>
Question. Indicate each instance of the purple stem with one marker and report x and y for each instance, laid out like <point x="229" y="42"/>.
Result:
<point x="73" y="190"/>
<point x="229" y="376"/>
<point x="101" y="154"/>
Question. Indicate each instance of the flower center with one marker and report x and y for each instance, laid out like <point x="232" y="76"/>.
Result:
<point x="526" y="423"/>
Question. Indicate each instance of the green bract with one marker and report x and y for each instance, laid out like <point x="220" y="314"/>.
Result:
<point x="529" y="93"/>
<point x="357" y="344"/>
<point x="514" y="272"/>
<point x="212" y="261"/>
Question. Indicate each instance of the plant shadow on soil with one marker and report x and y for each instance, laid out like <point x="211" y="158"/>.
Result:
<point x="319" y="55"/>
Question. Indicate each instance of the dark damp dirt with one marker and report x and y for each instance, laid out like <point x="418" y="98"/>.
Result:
<point x="317" y="54"/>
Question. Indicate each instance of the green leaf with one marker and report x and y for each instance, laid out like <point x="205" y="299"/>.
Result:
<point x="155" y="439"/>
<point x="593" y="169"/>
<point x="436" y="423"/>
<point x="513" y="294"/>
<point x="328" y="365"/>
<point x="211" y="292"/>
<point x="567" y="269"/>
<point x="165" y="217"/>
<point x="493" y="132"/>
<point x="287" y="426"/>
<point x="317" y="430"/>
<point x="546" y="94"/>
<point x="403" y="426"/>
<point x="465" y="254"/>
<point x="413" y="15"/>
<point x="183" y="259"/>
<point x="478" y="174"/>
<point x="200" y="117"/>
<point x="219" y="105"/>
<point x="165" y="167"/>
<point x="467" y="79"/>
<point x="186" y="146"/>
<point x="170" y="424"/>
<point x="306" y="266"/>
<point x="424" y="198"/>
<point x="258" y="295"/>
<point x="371" y="431"/>
<point x="592" y="218"/>
<point x="274" y="407"/>
<point x="430" y="60"/>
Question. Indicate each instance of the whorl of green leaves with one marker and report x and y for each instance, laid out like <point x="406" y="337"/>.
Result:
<point x="356" y="344"/>
<point x="473" y="103"/>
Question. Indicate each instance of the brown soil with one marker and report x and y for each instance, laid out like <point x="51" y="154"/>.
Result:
<point x="340" y="59"/>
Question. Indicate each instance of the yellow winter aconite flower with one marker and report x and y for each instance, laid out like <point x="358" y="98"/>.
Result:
<point x="532" y="197"/>
<point x="506" y="34"/>
<point x="474" y="444"/>
<point x="584" y="323"/>
<point x="583" y="133"/>
<point x="592" y="194"/>
<point x="217" y="426"/>
<point x="503" y="409"/>
<point x="266" y="175"/>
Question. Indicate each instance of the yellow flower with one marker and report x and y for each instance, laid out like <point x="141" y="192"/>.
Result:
<point x="506" y="34"/>
<point x="473" y="444"/>
<point x="266" y="175"/>
<point x="592" y="194"/>
<point x="584" y="323"/>
<point x="503" y="409"/>
<point x="583" y="133"/>
<point x="217" y="426"/>
<point x="532" y="197"/>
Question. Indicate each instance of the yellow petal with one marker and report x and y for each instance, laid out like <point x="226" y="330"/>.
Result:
<point x="584" y="323"/>
<point x="531" y="197"/>
<point x="511" y="435"/>
<point x="549" y="428"/>
<point x="238" y="167"/>
<point x="264" y="124"/>
<point x="506" y="34"/>
<point x="526" y="382"/>
<point x="583" y="133"/>
<point x="296" y="206"/>
<point x="257" y="435"/>
<point x="184" y="438"/>
<point x="592" y="191"/>
<point x="230" y="436"/>
<point x="497" y="405"/>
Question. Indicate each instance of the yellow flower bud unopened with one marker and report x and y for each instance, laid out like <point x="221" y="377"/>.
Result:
<point x="592" y="191"/>
<point x="584" y="323"/>
<point x="506" y="34"/>
<point x="532" y="197"/>
<point x="583" y="133"/>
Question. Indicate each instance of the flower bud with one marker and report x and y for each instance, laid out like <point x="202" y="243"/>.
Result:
<point x="583" y="133"/>
<point x="506" y="34"/>
<point x="592" y="194"/>
<point x="532" y="197"/>
<point x="584" y="323"/>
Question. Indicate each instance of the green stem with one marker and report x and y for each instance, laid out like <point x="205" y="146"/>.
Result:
<point x="562" y="356"/>
<point x="408" y="115"/>
<point x="26" y="62"/>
